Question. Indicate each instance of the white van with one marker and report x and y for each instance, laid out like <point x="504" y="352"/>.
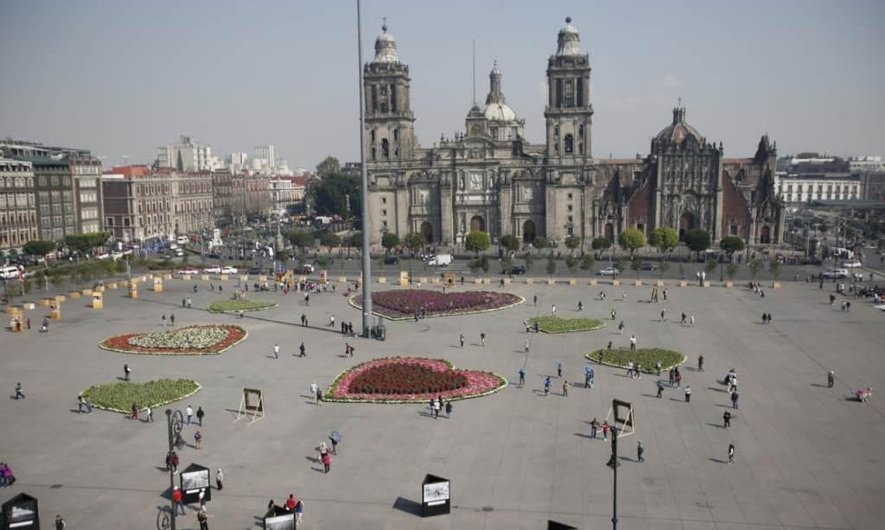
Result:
<point x="182" y="240"/>
<point x="9" y="273"/>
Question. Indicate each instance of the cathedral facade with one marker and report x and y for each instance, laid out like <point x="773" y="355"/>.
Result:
<point x="489" y="178"/>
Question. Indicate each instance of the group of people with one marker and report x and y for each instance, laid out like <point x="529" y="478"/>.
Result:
<point x="7" y="478"/>
<point x="437" y="404"/>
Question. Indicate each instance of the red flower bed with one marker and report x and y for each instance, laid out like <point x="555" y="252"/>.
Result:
<point x="409" y="380"/>
<point x="400" y="304"/>
<point x="228" y="336"/>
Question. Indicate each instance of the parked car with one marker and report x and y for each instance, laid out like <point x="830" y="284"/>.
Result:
<point x="852" y="264"/>
<point x="307" y="268"/>
<point x="517" y="269"/>
<point x="391" y="260"/>
<point x="440" y="260"/>
<point x="609" y="271"/>
<point x="212" y="269"/>
<point x="648" y="266"/>
<point x="229" y="270"/>
<point x="254" y="270"/>
<point x="837" y="274"/>
<point x="188" y="271"/>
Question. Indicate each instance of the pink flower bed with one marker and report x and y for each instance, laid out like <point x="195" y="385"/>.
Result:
<point x="476" y="383"/>
<point x="401" y="304"/>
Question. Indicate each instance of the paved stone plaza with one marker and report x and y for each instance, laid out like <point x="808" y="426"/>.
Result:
<point x="806" y="456"/>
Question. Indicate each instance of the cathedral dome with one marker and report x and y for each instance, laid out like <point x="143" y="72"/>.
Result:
<point x="499" y="112"/>
<point x="678" y="131"/>
<point x="385" y="48"/>
<point x="568" y="41"/>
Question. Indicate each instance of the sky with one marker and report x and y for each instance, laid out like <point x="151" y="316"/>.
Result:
<point x="121" y="77"/>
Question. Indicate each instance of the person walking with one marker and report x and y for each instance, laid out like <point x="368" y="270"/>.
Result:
<point x="521" y="373"/>
<point x="435" y="405"/>
<point x="449" y="409"/>
<point x="831" y="378"/>
<point x="461" y="339"/>
<point x="700" y="363"/>
<point x="594" y="427"/>
<point x="126" y="372"/>
<point x="632" y="343"/>
<point x="691" y="320"/>
<point x="726" y="419"/>
<point x="203" y="518"/>
<point x="302" y="351"/>
<point x="621" y="327"/>
<point x="299" y="511"/>
<point x="526" y="346"/>
<point x="688" y="393"/>
<point x="198" y="440"/>
<point x="677" y="375"/>
<point x="314" y="390"/>
<point x="564" y="388"/>
<point x="60" y="523"/>
<point x="172" y="319"/>
<point x="189" y="412"/>
<point x="639" y="451"/>
<point x="327" y="462"/>
<point x="276" y="351"/>
<point x="660" y="389"/>
<point x="178" y="500"/>
<point x="482" y="339"/>
<point x="730" y="453"/>
<point x="148" y="414"/>
<point x="558" y="368"/>
<point x="133" y="411"/>
<point x="553" y="310"/>
<point x="534" y="299"/>
<point x="200" y="415"/>
<point x="605" y="428"/>
<point x="663" y="314"/>
<point x="163" y="319"/>
<point x="682" y="320"/>
<point x="734" y="399"/>
<point x="303" y="320"/>
<point x="219" y="480"/>
<point x="546" y="385"/>
<point x="580" y="307"/>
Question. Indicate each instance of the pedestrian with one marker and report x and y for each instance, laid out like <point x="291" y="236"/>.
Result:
<point x="546" y="385"/>
<point x="677" y="375"/>
<point x="558" y="368"/>
<point x="276" y="351"/>
<point x="688" y="393"/>
<point x="303" y="320"/>
<point x="148" y="414"/>
<point x="435" y="406"/>
<point x="299" y="512"/>
<point x="525" y="324"/>
<point x="564" y="388"/>
<point x="327" y="462"/>
<point x="534" y="300"/>
<point x="580" y="308"/>
<point x="198" y="440"/>
<point x="594" y="427"/>
<point x="621" y="327"/>
<point x="682" y="320"/>
<point x="658" y="367"/>
<point x="632" y="343"/>
<point x="163" y="319"/>
<point x="613" y="314"/>
<point x="332" y="321"/>
<point x="521" y="377"/>
<point x="665" y="295"/>
<point x="126" y="372"/>
<point x="831" y="378"/>
<point x="605" y="428"/>
<point x="219" y="479"/>
<point x="629" y="370"/>
<point x="203" y="517"/>
<point x="734" y="399"/>
<point x="449" y="409"/>
<point x="178" y="500"/>
<point x="726" y="419"/>
<point x="482" y="339"/>
<point x="200" y="415"/>
<point x="133" y="412"/>
<point x="672" y="376"/>
<point x="271" y="508"/>
<point x="730" y="453"/>
<point x="314" y="390"/>
<point x="28" y="321"/>
<point x="691" y="320"/>
<point x="172" y="319"/>
<point x="660" y="389"/>
<point x="639" y="451"/>
<point x="60" y="523"/>
<point x="461" y="339"/>
<point x="663" y="314"/>
<point x="553" y="309"/>
<point x="700" y="363"/>
<point x="80" y="403"/>
<point x="526" y="346"/>
<point x="189" y="412"/>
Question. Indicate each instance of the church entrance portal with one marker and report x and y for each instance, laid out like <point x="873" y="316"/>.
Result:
<point x="686" y="223"/>
<point x="427" y="232"/>
<point x="477" y="224"/>
<point x="765" y="235"/>
<point x="528" y="232"/>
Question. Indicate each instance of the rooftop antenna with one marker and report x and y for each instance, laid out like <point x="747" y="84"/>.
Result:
<point x="474" y="72"/>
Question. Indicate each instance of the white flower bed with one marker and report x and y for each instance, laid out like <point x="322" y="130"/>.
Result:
<point x="187" y="338"/>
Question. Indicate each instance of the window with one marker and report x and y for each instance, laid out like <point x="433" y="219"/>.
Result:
<point x="109" y="221"/>
<point x="569" y="144"/>
<point x="384" y="212"/>
<point x="383" y="200"/>
<point x="570" y="207"/>
<point x="581" y="97"/>
<point x="392" y="98"/>
<point x="570" y="195"/>
<point x="559" y="93"/>
<point x="385" y="149"/>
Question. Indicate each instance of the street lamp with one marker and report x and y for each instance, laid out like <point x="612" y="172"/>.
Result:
<point x="174" y="424"/>
<point x="613" y="463"/>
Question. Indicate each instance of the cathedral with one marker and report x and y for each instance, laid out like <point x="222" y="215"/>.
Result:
<point x="490" y="178"/>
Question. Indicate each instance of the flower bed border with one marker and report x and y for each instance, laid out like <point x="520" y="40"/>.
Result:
<point x="399" y="401"/>
<point x="168" y="353"/>
<point x="270" y="305"/>
<point x="541" y="326"/>
<point x="643" y="369"/>
<point x="153" y="405"/>
<point x="520" y="300"/>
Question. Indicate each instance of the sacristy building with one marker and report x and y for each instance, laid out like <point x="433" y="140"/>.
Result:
<point x="490" y="178"/>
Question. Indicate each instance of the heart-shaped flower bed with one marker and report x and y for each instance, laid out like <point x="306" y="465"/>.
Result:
<point x="402" y="304"/>
<point x="411" y="380"/>
<point x="190" y="340"/>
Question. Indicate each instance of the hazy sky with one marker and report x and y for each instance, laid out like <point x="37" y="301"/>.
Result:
<point x="121" y="77"/>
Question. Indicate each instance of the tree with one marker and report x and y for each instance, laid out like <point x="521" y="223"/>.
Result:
<point x="755" y="266"/>
<point x="631" y="239"/>
<point x="84" y="243"/>
<point x="414" y="241"/>
<point x="572" y="242"/>
<point x="551" y="264"/>
<point x="330" y="239"/>
<point x="329" y="166"/>
<point x="697" y="240"/>
<point x="664" y="239"/>
<point x="731" y="244"/>
<point x="511" y="243"/>
<point x="301" y="239"/>
<point x="484" y="263"/>
<point x="636" y="264"/>
<point x="571" y="262"/>
<point x="600" y="244"/>
<point x="328" y="195"/>
<point x="38" y="247"/>
<point x="477" y="241"/>
<point x="587" y="262"/>
<point x="710" y="266"/>
<point x="389" y="241"/>
<point x="355" y="240"/>
<point x="540" y="243"/>
<point x="774" y="266"/>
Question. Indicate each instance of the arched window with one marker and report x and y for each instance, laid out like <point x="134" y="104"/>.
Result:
<point x="385" y="149"/>
<point x="581" y="132"/>
<point x="569" y="144"/>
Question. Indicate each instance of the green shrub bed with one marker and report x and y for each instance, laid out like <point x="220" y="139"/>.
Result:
<point x="554" y="324"/>
<point x="646" y="357"/>
<point x="119" y="397"/>
<point x="226" y="306"/>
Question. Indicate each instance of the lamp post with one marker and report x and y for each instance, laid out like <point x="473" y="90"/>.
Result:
<point x="174" y="423"/>
<point x="613" y="463"/>
<point x="364" y="187"/>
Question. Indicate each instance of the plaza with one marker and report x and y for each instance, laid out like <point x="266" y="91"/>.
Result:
<point x="806" y="455"/>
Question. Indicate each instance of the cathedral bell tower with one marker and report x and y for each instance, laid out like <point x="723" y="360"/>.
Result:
<point x="568" y="114"/>
<point x="389" y="123"/>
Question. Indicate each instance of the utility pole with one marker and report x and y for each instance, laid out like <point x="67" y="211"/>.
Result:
<point x="364" y="187"/>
